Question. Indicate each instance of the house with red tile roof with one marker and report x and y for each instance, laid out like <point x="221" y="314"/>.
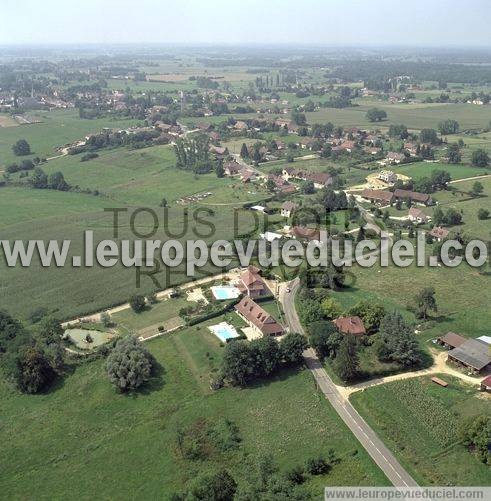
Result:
<point x="350" y="325"/>
<point x="251" y="283"/>
<point x="257" y="318"/>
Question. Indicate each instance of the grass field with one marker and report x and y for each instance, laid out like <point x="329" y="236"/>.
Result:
<point x="459" y="310"/>
<point x="419" y="420"/>
<point x="417" y="170"/>
<point x="144" y="177"/>
<point x="57" y="128"/>
<point x="414" y="116"/>
<point x="468" y="207"/>
<point x="88" y="430"/>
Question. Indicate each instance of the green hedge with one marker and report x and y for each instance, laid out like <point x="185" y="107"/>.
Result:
<point x="213" y="314"/>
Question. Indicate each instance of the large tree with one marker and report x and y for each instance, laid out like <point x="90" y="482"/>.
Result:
<point x="425" y="302"/>
<point x="292" y="347"/>
<point x="347" y="364"/>
<point x="376" y="115"/>
<point x="324" y="338"/>
<point x="448" y="127"/>
<point x="238" y="363"/>
<point x="129" y="364"/>
<point x="21" y="147"/>
<point x="397" y="342"/>
<point x="480" y="158"/>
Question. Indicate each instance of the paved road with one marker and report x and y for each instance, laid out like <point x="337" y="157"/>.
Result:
<point x="366" y="436"/>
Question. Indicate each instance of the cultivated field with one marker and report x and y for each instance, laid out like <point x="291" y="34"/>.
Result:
<point x="419" y="421"/>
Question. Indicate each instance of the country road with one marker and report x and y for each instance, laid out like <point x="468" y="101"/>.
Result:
<point x="397" y="475"/>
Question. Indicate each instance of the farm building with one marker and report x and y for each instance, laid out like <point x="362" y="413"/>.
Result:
<point x="472" y="354"/>
<point x="486" y="384"/>
<point x="258" y="318"/>
<point x="414" y="196"/>
<point x="350" y="325"/>
<point x="417" y="216"/>
<point x="381" y="197"/>
<point x="451" y="340"/>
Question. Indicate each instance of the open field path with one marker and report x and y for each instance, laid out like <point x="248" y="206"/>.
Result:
<point x="469" y="178"/>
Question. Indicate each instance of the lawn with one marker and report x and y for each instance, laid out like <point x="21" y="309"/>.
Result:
<point x="419" y="421"/>
<point x="84" y="440"/>
<point x="468" y="206"/>
<point x="128" y="320"/>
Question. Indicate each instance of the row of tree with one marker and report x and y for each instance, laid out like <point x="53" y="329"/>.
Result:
<point x="245" y="362"/>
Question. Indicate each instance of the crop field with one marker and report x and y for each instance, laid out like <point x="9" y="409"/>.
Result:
<point x="419" y="420"/>
<point x="87" y="429"/>
<point x="69" y="291"/>
<point x="57" y="128"/>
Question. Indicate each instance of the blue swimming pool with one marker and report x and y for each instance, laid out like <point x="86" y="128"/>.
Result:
<point x="222" y="292"/>
<point x="224" y="332"/>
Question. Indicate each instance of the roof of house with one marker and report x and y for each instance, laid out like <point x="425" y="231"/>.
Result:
<point x="472" y="353"/>
<point x="252" y="280"/>
<point x="415" y="212"/>
<point x="232" y="167"/>
<point x="486" y="381"/>
<point x="383" y="195"/>
<point x="350" y="325"/>
<point x="439" y="232"/>
<point x="452" y="339"/>
<point x="258" y="316"/>
<point x="307" y="233"/>
<point x="413" y="195"/>
<point x="289" y="205"/>
<point x="485" y="339"/>
<point x="393" y="155"/>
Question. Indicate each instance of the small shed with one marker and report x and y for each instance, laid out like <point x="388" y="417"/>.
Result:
<point x="486" y="384"/>
<point x="439" y="381"/>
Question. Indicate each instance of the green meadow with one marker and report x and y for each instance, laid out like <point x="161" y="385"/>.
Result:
<point x="459" y="309"/>
<point x="57" y="128"/>
<point x="77" y="441"/>
<point x="414" y="116"/>
<point x="144" y="177"/>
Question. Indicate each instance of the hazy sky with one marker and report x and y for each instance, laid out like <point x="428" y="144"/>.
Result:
<point x="420" y="22"/>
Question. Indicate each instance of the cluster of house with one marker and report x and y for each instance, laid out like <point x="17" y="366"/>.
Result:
<point x="472" y="354"/>
<point x="281" y="182"/>
<point x="252" y="286"/>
